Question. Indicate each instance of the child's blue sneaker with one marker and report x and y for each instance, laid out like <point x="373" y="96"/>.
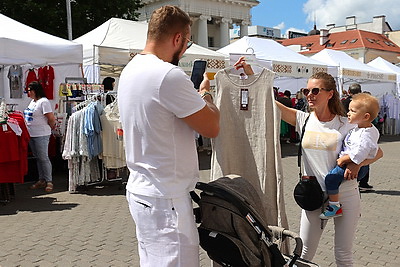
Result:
<point x="331" y="211"/>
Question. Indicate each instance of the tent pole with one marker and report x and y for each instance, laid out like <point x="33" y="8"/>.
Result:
<point x="69" y="19"/>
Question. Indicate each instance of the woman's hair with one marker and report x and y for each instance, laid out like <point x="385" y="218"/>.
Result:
<point x="108" y="83"/>
<point x="166" y="21"/>
<point x="334" y="104"/>
<point x="369" y="103"/>
<point x="37" y="88"/>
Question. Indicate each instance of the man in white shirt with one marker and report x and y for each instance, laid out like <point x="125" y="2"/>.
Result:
<point x="160" y="112"/>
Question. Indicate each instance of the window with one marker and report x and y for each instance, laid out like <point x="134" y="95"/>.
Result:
<point x="211" y="41"/>
<point x="370" y="40"/>
<point x="353" y="41"/>
<point x="343" y="42"/>
<point x="330" y="44"/>
<point x="309" y="44"/>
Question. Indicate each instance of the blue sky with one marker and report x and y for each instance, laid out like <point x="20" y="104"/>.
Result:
<point x="298" y="15"/>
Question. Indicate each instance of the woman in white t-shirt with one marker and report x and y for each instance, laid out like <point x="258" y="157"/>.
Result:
<point x="321" y="144"/>
<point x="322" y="141"/>
<point x="40" y="120"/>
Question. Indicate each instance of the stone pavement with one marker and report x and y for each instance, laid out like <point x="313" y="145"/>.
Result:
<point x="94" y="228"/>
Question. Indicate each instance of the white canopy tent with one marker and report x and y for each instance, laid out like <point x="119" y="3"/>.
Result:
<point x="109" y="47"/>
<point x="385" y="65"/>
<point x="292" y="69"/>
<point x="374" y="80"/>
<point x="30" y="48"/>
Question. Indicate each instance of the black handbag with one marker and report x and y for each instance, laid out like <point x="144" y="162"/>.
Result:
<point x="307" y="193"/>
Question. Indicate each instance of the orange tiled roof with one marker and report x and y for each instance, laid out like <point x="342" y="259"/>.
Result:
<point x="343" y="41"/>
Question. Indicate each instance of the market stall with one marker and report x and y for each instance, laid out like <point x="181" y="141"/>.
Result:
<point x="109" y="47"/>
<point x="376" y="81"/>
<point x="292" y="69"/>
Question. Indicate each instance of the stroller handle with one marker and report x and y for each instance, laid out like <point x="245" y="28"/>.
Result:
<point x="286" y="233"/>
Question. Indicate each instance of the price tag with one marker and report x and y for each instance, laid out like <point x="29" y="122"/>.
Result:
<point x="244" y="99"/>
<point x="4" y="127"/>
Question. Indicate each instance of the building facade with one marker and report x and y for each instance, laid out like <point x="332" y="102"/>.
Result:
<point x="362" y="41"/>
<point x="212" y="19"/>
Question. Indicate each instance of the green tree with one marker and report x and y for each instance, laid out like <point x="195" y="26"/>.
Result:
<point x="50" y="16"/>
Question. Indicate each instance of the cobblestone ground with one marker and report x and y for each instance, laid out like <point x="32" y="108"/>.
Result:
<point x="94" y="228"/>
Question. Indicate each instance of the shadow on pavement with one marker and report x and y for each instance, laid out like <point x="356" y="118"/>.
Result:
<point x="34" y="204"/>
<point x="386" y="192"/>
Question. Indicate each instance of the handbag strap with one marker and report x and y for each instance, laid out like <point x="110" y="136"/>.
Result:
<point x="300" y="151"/>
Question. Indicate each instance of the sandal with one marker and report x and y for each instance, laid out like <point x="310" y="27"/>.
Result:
<point x="49" y="187"/>
<point x="38" y="184"/>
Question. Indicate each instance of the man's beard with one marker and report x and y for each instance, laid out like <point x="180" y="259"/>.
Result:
<point x="175" y="57"/>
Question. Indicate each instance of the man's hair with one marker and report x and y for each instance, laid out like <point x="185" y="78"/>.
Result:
<point x="166" y="21"/>
<point x="369" y="103"/>
<point x="287" y="93"/>
<point x="355" y="88"/>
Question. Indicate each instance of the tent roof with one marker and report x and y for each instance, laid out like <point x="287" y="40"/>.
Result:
<point x="271" y="50"/>
<point x="385" y="65"/>
<point x="21" y="44"/>
<point x="352" y="68"/>
<point x="128" y="35"/>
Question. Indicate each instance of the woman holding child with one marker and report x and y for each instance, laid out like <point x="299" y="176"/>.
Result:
<point x="324" y="133"/>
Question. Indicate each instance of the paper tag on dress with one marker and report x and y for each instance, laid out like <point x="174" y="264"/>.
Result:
<point x="244" y="99"/>
<point x="4" y="127"/>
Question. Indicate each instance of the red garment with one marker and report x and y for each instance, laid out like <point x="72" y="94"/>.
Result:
<point x="46" y="77"/>
<point x="14" y="151"/>
<point x="31" y="77"/>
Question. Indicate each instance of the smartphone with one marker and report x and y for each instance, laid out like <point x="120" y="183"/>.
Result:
<point x="199" y="67"/>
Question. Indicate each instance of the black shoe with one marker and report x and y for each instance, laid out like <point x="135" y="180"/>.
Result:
<point x="365" y="187"/>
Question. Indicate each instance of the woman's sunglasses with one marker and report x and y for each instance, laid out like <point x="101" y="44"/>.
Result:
<point x="314" y="91"/>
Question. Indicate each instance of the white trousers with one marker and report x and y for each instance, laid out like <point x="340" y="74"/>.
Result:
<point x="166" y="231"/>
<point x="345" y="226"/>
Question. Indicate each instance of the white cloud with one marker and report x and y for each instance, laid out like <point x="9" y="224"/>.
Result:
<point x="336" y="11"/>
<point x="296" y="30"/>
<point x="280" y="26"/>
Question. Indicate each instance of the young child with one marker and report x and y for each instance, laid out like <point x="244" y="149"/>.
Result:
<point x="360" y="143"/>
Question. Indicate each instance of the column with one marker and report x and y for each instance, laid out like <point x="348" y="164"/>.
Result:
<point x="244" y="28"/>
<point x="202" y="33"/>
<point x="224" y="31"/>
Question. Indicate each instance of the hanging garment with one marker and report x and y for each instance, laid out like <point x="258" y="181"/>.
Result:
<point x="113" y="146"/>
<point x="46" y="78"/>
<point x="248" y="142"/>
<point x="31" y="77"/>
<point x="15" y="77"/>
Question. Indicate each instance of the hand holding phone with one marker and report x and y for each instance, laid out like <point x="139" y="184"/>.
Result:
<point x="199" y="67"/>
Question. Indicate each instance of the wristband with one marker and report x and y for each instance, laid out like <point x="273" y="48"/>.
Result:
<point x="205" y="94"/>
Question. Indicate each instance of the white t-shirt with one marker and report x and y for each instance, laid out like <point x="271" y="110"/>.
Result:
<point x="361" y="144"/>
<point x="36" y="121"/>
<point x="321" y="144"/>
<point x="153" y="96"/>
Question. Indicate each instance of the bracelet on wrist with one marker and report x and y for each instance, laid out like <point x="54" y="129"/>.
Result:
<point x="206" y="94"/>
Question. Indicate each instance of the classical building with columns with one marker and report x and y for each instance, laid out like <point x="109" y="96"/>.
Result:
<point x="212" y="19"/>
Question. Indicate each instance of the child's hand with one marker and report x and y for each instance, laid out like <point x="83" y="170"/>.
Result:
<point x="340" y="162"/>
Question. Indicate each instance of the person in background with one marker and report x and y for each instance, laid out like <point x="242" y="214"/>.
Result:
<point x="40" y="120"/>
<point x="160" y="111"/>
<point x="324" y="133"/>
<point x="360" y="143"/>
<point x="285" y="127"/>
<point x="354" y="88"/>
<point x="108" y="83"/>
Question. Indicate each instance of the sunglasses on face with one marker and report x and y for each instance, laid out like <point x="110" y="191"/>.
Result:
<point x="189" y="43"/>
<point x="314" y="91"/>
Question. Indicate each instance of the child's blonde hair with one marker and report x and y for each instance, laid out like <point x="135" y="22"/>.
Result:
<point x="369" y="103"/>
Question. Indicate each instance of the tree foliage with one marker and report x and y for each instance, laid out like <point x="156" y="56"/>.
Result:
<point x="50" y="16"/>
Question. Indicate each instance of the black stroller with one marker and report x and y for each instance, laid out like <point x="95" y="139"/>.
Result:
<point x="233" y="233"/>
